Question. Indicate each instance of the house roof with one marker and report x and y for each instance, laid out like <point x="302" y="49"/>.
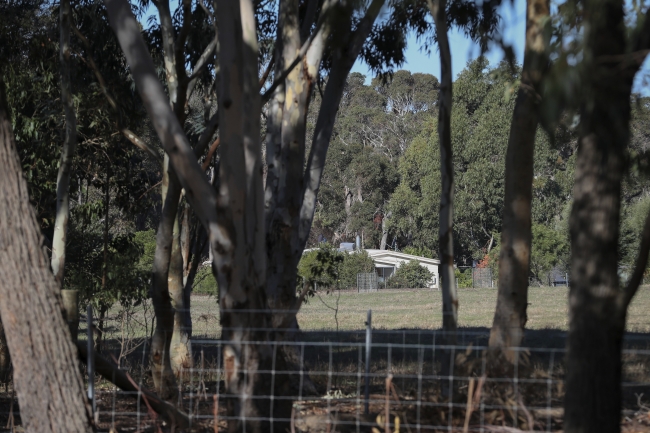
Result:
<point x="390" y="257"/>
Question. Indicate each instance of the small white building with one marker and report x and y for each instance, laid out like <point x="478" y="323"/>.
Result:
<point x="388" y="261"/>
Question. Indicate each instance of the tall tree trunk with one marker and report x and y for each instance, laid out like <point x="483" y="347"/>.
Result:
<point x="286" y="182"/>
<point x="186" y="173"/>
<point x="65" y="165"/>
<point x="445" y="234"/>
<point x="180" y="349"/>
<point x="597" y="305"/>
<point x="240" y="255"/>
<point x="285" y="159"/>
<point x="46" y="375"/>
<point x="514" y="259"/>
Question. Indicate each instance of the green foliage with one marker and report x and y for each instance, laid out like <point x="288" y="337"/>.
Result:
<point x="464" y="277"/>
<point x="411" y="275"/>
<point x="354" y="263"/>
<point x="633" y="220"/>
<point x="549" y="248"/>
<point x="126" y="281"/>
<point x="320" y="267"/>
<point x="419" y="251"/>
<point x="146" y="239"/>
<point x="373" y="128"/>
<point x="204" y="282"/>
<point x="481" y="116"/>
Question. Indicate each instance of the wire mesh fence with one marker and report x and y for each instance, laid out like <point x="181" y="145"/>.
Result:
<point x="365" y="380"/>
<point x="367" y="282"/>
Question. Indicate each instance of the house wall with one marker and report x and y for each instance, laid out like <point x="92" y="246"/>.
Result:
<point x="397" y="262"/>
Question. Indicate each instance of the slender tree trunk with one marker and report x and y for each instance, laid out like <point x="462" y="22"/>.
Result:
<point x="180" y="349"/>
<point x="445" y="235"/>
<point x="163" y="282"/>
<point x="384" y="231"/>
<point x="99" y="339"/>
<point x="596" y="313"/>
<point x="181" y="346"/>
<point x="65" y="165"/>
<point x="324" y="128"/>
<point x="514" y="260"/>
<point x="46" y="375"/>
<point x="283" y="196"/>
<point x="198" y="191"/>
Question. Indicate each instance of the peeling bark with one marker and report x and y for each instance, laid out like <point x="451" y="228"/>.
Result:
<point x="180" y="346"/>
<point x="240" y="255"/>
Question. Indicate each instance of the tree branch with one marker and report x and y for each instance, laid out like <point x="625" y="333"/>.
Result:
<point x="208" y="157"/>
<point x="301" y="54"/>
<point x="198" y="191"/>
<point x="639" y="268"/>
<point x="308" y="20"/>
<point x="131" y="136"/>
<point x="206" y="135"/>
<point x="641" y="38"/>
<point x="327" y="116"/>
<point x="266" y="73"/>
<point x="199" y="67"/>
<point x="113" y="374"/>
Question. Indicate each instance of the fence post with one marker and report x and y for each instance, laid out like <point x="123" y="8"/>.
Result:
<point x="91" y="358"/>
<point x="368" y="346"/>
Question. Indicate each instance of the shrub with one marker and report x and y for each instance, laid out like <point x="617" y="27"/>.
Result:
<point x="410" y="275"/>
<point x="418" y="251"/>
<point x="354" y="263"/>
<point x="320" y="267"/>
<point x="464" y="278"/>
<point x="204" y="282"/>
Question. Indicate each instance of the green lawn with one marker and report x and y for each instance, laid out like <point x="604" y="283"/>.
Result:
<point x="395" y="309"/>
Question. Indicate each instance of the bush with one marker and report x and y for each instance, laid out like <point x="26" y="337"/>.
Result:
<point x="354" y="263"/>
<point x="411" y="275"/>
<point x="464" y="278"/>
<point x="204" y="282"/>
<point x="418" y="251"/>
<point x="320" y="267"/>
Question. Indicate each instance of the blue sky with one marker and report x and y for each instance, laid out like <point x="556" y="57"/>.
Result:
<point x="513" y="23"/>
<point x="513" y="27"/>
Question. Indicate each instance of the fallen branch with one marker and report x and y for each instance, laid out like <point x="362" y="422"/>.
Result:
<point x="122" y="380"/>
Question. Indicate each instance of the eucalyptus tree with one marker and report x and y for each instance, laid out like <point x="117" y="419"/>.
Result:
<point x="446" y="209"/>
<point x="514" y="261"/>
<point x="68" y="149"/>
<point x="598" y="303"/>
<point x="46" y="374"/>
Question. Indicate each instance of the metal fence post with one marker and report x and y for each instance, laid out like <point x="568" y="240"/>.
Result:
<point x="91" y="358"/>
<point x="368" y="346"/>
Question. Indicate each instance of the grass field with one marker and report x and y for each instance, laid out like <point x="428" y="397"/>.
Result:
<point x="398" y="309"/>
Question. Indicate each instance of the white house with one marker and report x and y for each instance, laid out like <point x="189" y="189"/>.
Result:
<point x="388" y="261"/>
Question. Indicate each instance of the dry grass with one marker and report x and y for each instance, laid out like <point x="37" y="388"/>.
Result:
<point x="397" y="309"/>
